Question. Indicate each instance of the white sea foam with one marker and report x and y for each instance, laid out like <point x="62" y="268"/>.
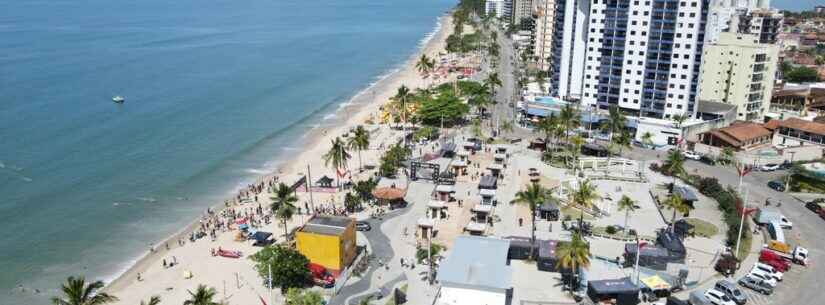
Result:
<point x="329" y="116"/>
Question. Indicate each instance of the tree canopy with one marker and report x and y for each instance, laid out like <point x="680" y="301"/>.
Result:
<point x="445" y="106"/>
<point x="802" y="75"/>
<point x="289" y="267"/>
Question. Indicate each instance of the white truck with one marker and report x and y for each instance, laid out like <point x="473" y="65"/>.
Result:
<point x="765" y="216"/>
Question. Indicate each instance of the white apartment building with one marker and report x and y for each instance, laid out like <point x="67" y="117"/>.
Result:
<point x="502" y="9"/>
<point x="568" y="46"/>
<point x="545" y="11"/>
<point x="739" y="70"/>
<point x="644" y="56"/>
<point x="522" y="9"/>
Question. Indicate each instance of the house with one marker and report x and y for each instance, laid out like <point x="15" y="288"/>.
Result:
<point x="798" y="132"/>
<point x="475" y="273"/>
<point x="799" y="99"/>
<point x="739" y="136"/>
<point x="328" y="241"/>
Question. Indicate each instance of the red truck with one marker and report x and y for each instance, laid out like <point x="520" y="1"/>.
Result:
<point x="774" y="260"/>
<point x="320" y="276"/>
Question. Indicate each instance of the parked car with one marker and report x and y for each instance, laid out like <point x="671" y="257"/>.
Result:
<point x="707" y="160"/>
<point x="767" y="278"/>
<point x="730" y="289"/>
<point x="756" y="285"/>
<point x="769" y="167"/>
<point x="769" y="270"/>
<point x="773" y="260"/>
<point x="717" y="297"/>
<point x="777" y="185"/>
<point x="362" y="226"/>
<point x="691" y="155"/>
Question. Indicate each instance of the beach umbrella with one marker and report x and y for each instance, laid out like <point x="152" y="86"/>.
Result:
<point x="240" y="221"/>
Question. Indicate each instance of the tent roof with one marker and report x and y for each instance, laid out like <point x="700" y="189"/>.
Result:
<point x="444" y="188"/>
<point x="616" y="286"/>
<point x="389" y="193"/>
<point x="655" y="283"/>
<point x="484" y="208"/>
<point x="487" y="192"/>
<point x="324" y="180"/>
<point x="487" y="181"/>
<point x="549" y="205"/>
<point x="685" y="193"/>
<point x="436" y="204"/>
<point x="547" y="248"/>
<point x="261" y="235"/>
<point x="477" y="261"/>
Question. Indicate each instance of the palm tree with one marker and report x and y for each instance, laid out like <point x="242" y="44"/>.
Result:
<point x="506" y="126"/>
<point x="337" y="157"/>
<point x="533" y="197"/>
<point x="425" y="64"/>
<point x="77" y="292"/>
<point x="359" y="141"/>
<point x="647" y="138"/>
<point x="615" y="121"/>
<point x="569" y="118"/>
<point x="575" y="148"/>
<point x="202" y="296"/>
<point x="678" y="122"/>
<point x="491" y="82"/>
<point x="628" y="206"/>
<point x="573" y="254"/>
<point x="584" y="195"/>
<point x="154" y="300"/>
<point x="402" y="97"/>
<point x="548" y="126"/>
<point x="283" y="204"/>
<point x="675" y="203"/>
<point x="674" y="164"/>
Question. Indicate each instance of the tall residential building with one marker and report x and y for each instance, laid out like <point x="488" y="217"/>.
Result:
<point x="644" y="55"/>
<point x="502" y="9"/>
<point x="545" y="11"/>
<point x="765" y="23"/>
<point x="569" y="42"/>
<point x="739" y="70"/>
<point x="522" y="9"/>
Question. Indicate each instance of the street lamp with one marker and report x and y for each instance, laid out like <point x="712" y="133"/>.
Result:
<point x="742" y="221"/>
<point x="788" y="177"/>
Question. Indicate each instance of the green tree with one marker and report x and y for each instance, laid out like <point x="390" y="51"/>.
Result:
<point x="802" y="74"/>
<point x="585" y="195"/>
<point x="647" y="138"/>
<point x="154" y="300"/>
<point x="533" y="197"/>
<point x="296" y="296"/>
<point x="575" y="149"/>
<point x="426" y="132"/>
<point x="337" y="157"/>
<point x="675" y="203"/>
<point x="77" y="292"/>
<point x="628" y="206"/>
<point x="492" y="82"/>
<point x="570" y="119"/>
<point x="283" y="204"/>
<point x="289" y="267"/>
<point x="425" y="65"/>
<point x="616" y="121"/>
<point x="679" y="122"/>
<point x="475" y="129"/>
<point x="549" y="126"/>
<point x="507" y="126"/>
<point x="446" y="107"/>
<point x="421" y="253"/>
<point x="622" y="141"/>
<point x="202" y="296"/>
<point x="359" y="141"/>
<point x="364" y="189"/>
<point x="351" y="202"/>
<point x="727" y="155"/>
<point x="674" y="164"/>
<point x="401" y="98"/>
<point x="573" y="254"/>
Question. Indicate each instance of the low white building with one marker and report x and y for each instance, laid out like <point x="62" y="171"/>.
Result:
<point x="475" y="273"/>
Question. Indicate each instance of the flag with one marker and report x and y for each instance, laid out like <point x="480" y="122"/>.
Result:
<point x="262" y="300"/>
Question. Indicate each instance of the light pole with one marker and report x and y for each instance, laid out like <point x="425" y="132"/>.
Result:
<point x="742" y="221"/>
<point x="788" y="177"/>
<point x="638" y="251"/>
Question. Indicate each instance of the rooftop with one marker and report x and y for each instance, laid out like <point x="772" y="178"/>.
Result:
<point x="327" y="224"/>
<point x="477" y="261"/>
<point x="802" y="125"/>
<point x="738" y="133"/>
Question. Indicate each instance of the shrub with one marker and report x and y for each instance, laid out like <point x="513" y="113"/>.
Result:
<point x="655" y="167"/>
<point x="610" y="230"/>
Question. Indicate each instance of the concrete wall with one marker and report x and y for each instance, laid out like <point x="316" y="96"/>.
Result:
<point x="799" y="153"/>
<point x="457" y="295"/>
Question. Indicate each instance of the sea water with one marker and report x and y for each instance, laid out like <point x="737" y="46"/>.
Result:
<point x="216" y="91"/>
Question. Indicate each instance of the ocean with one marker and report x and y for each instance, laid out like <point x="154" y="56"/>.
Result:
<point x="217" y="92"/>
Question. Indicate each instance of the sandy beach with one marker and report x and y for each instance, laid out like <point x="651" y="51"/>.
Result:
<point x="235" y="280"/>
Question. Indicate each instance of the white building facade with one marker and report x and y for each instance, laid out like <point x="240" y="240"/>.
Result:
<point x="502" y="9"/>
<point x="545" y="11"/>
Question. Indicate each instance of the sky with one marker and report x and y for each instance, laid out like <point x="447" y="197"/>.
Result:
<point x="796" y="5"/>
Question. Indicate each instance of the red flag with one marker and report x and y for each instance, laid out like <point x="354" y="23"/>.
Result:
<point x="262" y="300"/>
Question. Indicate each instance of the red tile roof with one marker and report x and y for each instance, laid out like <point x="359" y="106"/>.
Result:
<point x="802" y="125"/>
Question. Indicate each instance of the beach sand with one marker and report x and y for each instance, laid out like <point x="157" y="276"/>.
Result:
<point x="235" y="280"/>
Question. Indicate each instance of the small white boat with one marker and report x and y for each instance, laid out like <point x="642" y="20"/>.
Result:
<point x="118" y="99"/>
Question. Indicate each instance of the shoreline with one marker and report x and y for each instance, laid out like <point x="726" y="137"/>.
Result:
<point x="341" y="117"/>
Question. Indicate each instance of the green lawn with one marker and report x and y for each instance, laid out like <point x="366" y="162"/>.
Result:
<point x="574" y="213"/>
<point x="702" y="228"/>
<point x="745" y="247"/>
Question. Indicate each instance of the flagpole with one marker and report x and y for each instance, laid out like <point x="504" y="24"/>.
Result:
<point x="309" y="188"/>
<point x="638" y="251"/>
<point x="269" y="267"/>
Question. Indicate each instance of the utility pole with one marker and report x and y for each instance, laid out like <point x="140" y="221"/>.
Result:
<point x="269" y="267"/>
<point x="636" y="268"/>
<point x="430" y="256"/>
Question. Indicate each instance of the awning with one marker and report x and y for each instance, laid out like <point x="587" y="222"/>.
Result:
<point x="261" y="236"/>
<point x="483" y="208"/>
<point x="463" y="153"/>
<point x="487" y="192"/>
<point x="443" y="188"/>
<point x="436" y="204"/>
<point x="458" y="163"/>
<point x="655" y="283"/>
<point x="537" y="112"/>
<point x="389" y="193"/>
<point x="476" y="226"/>
<point x="425" y="222"/>
<point x="495" y="167"/>
<point x="500" y="156"/>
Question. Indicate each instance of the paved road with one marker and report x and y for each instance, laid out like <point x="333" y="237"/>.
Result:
<point x="801" y="285"/>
